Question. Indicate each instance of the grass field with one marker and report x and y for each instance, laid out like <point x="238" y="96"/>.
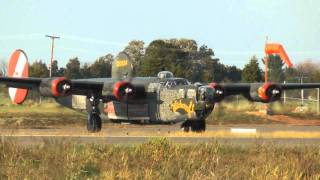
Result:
<point x="157" y="159"/>
<point x="37" y="114"/>
<point x="49" y="113"/>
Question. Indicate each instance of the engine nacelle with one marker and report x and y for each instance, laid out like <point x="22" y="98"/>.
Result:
<point x="55" y="87"/>
<point x="219" y="92"/>
<point x="211" y="93"/>
<point x="265" y="93"/>
<point x="121" y="89"/>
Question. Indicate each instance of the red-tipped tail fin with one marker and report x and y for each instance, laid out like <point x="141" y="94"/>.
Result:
<point x="18" y="67"/>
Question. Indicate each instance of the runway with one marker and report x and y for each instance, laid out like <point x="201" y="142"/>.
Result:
<point x="275" y="134"/>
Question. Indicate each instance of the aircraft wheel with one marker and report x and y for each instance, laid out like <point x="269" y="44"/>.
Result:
<point x="185" y="126"/>
<point x="198" y="125"/>
<point x="94" y="122"/>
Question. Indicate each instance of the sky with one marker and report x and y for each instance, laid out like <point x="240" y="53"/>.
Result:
<point x="234" y="29"/>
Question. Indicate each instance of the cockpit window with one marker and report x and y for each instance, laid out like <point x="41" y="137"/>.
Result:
<point x="170" y="84"/>
<point x="182" y="82"/>
<point x="175" y="82"/>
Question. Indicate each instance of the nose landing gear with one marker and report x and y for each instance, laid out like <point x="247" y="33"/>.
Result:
<point x="194" y="125"/>
<point x="94" y="122"/>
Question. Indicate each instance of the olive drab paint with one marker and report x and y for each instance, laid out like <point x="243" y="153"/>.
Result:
<point x="122" y="67"/>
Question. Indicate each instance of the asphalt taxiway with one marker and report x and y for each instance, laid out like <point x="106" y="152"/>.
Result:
<point x="276" y="134"/>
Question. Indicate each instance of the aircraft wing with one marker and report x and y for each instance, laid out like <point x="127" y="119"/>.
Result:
<point x="78" y="87"/>
<point x="24" y="83"/>
<point x="263" y="92"/>
<point x="238" y="88"/>
<point x="104" y="88"/>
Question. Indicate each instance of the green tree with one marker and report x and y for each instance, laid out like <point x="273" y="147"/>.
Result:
<point x="85" y="71"/>
<point x="275" y="69"/>
<point x="73" y="69"/>
<point x="187" y="45"/>
<point x="173" y="55"/>
<point x="210" y="69"/>
<point x="195" y="72"/>
<point x="183" y="58"/>
<point x="251" y="71"/>
<point x="62" y="71"/>
<point x="233" y="74"/>
<point x="309" y="70"/>
<point x="219" y="71"/>
<point x="183" y="51"/>
<point x="101" y="67"/>
<point x="38" y="69"/>
<point x="55" y="69"/>
<point x="156" y="58"/>
<point x="3" y="67"/>
<point x="135" y="50"/>
<point x="291" y="74"/>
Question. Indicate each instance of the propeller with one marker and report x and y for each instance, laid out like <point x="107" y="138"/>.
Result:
<point x="219" y="92"/>
<point x="122" y="70"/>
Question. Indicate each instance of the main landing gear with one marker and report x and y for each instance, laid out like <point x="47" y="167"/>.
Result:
<point x="94" y="122"/>
<point x="194" y="125"/>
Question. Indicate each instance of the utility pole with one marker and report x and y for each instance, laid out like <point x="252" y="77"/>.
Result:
<point x="266" y="61"/>
<point x="52" y="37"/>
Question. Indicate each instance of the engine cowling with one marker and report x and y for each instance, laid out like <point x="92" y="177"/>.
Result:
<point x="219" y="92"/>
<point x="211" y="93"/>
<point x="55" y="87"/>
<point x="119" y="90"/>
<point x="265" y="93"/>
<point x="122" y="88"/>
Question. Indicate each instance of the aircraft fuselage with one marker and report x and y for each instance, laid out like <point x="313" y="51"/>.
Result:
<point x="167" y="100"/>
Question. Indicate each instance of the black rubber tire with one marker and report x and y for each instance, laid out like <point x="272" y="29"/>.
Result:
<point x="94" y="122"/>
<point x="185" y="126"/>
<point x="198" y="125"/>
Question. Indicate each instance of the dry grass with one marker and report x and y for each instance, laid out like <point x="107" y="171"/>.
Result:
<point x="48" y="113"/>
<point x="232" y="111"/>
<point x="35" y="114"/>
<point x="294" y="109"/>
<point x="157" y="159"/>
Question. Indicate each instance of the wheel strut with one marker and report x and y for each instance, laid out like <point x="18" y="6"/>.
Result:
<point x="94" y="122"/>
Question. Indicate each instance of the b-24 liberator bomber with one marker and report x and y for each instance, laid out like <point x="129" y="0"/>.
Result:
<point x="164" y="99"/>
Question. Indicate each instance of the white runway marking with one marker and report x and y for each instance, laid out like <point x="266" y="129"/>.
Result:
<point x="243" y="130"/>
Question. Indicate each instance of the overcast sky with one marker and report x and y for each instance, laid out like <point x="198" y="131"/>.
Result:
<point x="234" y="29"/>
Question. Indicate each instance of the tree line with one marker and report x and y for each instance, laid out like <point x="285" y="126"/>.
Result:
<point x="185" y="59"/>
